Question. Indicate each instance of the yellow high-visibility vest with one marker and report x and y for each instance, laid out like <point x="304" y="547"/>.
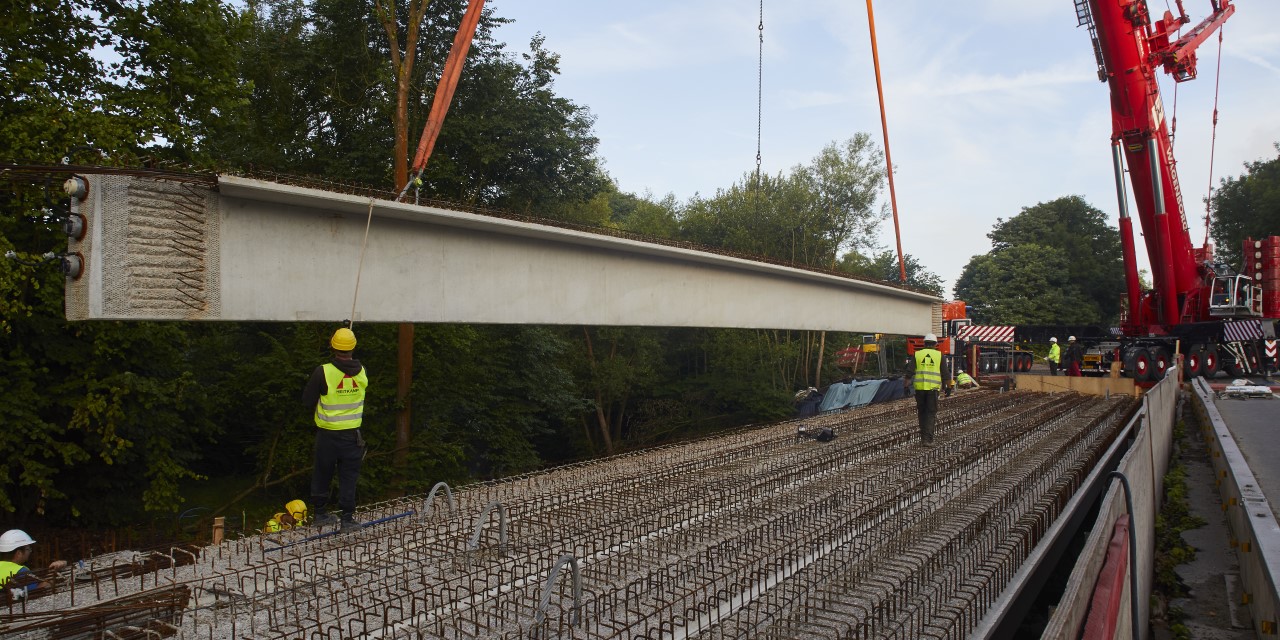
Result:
<point x="1054" y="353"/>
<point x="928" y="370"/>
<point x="8" y="570"/>
<point x="342" y="405"/>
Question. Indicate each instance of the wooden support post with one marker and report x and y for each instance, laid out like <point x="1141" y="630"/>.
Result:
<point x="219" y="524"/>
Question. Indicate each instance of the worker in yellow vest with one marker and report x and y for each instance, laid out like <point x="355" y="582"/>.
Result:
<point x="965" y="381"/>
<point x="278" y="522"/>
<point x="293" y="516"/>
<point x="335" y="395"/>
<point x="1055" y="356"/>
<point x="926" y="380"/>
<point x="16" y="548"/>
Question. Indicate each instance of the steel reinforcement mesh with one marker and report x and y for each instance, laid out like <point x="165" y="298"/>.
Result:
<point x="764" y="533"/>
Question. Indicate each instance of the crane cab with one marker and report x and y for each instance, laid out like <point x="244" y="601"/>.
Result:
<point x="1235" y="296"/>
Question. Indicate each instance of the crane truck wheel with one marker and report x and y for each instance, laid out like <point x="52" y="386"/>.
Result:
<point x="1209" y="366"/>
<point x="1142" y="369"/>
<point x="1251" y="354"/>
<point x="1137" y="364"/>
<point x="1159" y="362"/>
<point x="1194" y="360"/>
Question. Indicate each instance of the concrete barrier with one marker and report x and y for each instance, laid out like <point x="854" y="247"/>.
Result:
<point x="1254" y="532"/>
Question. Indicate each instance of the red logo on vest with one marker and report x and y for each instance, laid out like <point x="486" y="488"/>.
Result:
<point x="354" y="384"/>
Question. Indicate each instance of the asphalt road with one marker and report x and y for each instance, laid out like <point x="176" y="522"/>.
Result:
<point x="1255" y="426"/>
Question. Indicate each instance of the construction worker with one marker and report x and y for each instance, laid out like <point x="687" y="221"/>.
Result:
<point x="965" y="381"/>
<point x="294" y="515"/>
<point x="15" y="552"/>
<point x="1073" y="357"/>
<point x="1055" y="354"/>
<point x="297" y="510"/>
<point x="278" y="522"/>
<point x="335" y="394"/>
<point x="926" y="376"/>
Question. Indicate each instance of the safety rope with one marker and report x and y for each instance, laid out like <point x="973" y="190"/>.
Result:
<point x="360" y="267"/>
<point x="1213" y="141"/>
<point x="759" y="106"/>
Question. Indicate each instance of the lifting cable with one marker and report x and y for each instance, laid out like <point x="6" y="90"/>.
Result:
<point x="435" y="120"/>
<point x="1217" y="80"/>
<point x="759" y="107"/>
<point x="360" y="266"/>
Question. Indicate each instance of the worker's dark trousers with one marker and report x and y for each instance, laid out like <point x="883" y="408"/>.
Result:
<point x="1053" y="368"/>
<point x="340" y="451"/>
<point x="927" y="412"/>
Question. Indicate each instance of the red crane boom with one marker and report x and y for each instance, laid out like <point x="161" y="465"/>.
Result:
<point x="1130" y="47"/>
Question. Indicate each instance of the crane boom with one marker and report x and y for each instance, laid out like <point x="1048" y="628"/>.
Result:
<point x="1130" y="47"/>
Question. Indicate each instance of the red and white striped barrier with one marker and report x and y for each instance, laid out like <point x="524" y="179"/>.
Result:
<point x="979" y="333"/>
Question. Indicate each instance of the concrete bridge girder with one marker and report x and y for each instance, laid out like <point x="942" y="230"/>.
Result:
<point x="257" y="250"/>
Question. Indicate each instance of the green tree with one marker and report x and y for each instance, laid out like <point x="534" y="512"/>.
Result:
<point x="810" y="216"/>
<point x="1246" y="207"/>
<point x="329" y="108"/>
<point x="107" y="416"/>
<point x="1022" y="284"/>
<point x="619" y="366"/>
<point x="884" y="266"/>
<point x="171" y="77"/>
<point x="644" y="215"/>
<point x="1057" y="262"/>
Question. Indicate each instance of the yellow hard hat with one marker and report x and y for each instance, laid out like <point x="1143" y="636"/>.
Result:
<point x="297" y="509"/>
<point x="343" y="340"/>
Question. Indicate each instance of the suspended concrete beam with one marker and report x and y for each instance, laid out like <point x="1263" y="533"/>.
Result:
<point x="248" y="249"/>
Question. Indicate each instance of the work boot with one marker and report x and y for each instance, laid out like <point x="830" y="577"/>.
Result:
<point x="350" y="524"/>
<point x="324" y="520"/>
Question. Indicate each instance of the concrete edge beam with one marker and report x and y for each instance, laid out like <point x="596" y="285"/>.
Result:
<point x="1255" y="532"/>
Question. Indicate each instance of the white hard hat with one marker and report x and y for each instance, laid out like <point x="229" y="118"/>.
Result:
<point x="1071" y="339"/>
<point x="1053" y="339"/>
<point x="929" y="337"/>
<point x="14" y="539"/>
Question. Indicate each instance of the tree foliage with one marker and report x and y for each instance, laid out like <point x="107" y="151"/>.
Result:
<point x="1247" y="206"/>
<point x="104" y="417"/>
<point x="884" y="266"/>
<point x="1057" y="262"/>
<point x="809" y="216"/>
<point x="329" y="109"/>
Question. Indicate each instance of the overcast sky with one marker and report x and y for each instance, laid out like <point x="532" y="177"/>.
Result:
<point x="993" y="105"/>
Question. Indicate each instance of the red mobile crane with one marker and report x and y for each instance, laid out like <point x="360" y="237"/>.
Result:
<point x="1211" y="314"/>
<point x="1204" y="309"/>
